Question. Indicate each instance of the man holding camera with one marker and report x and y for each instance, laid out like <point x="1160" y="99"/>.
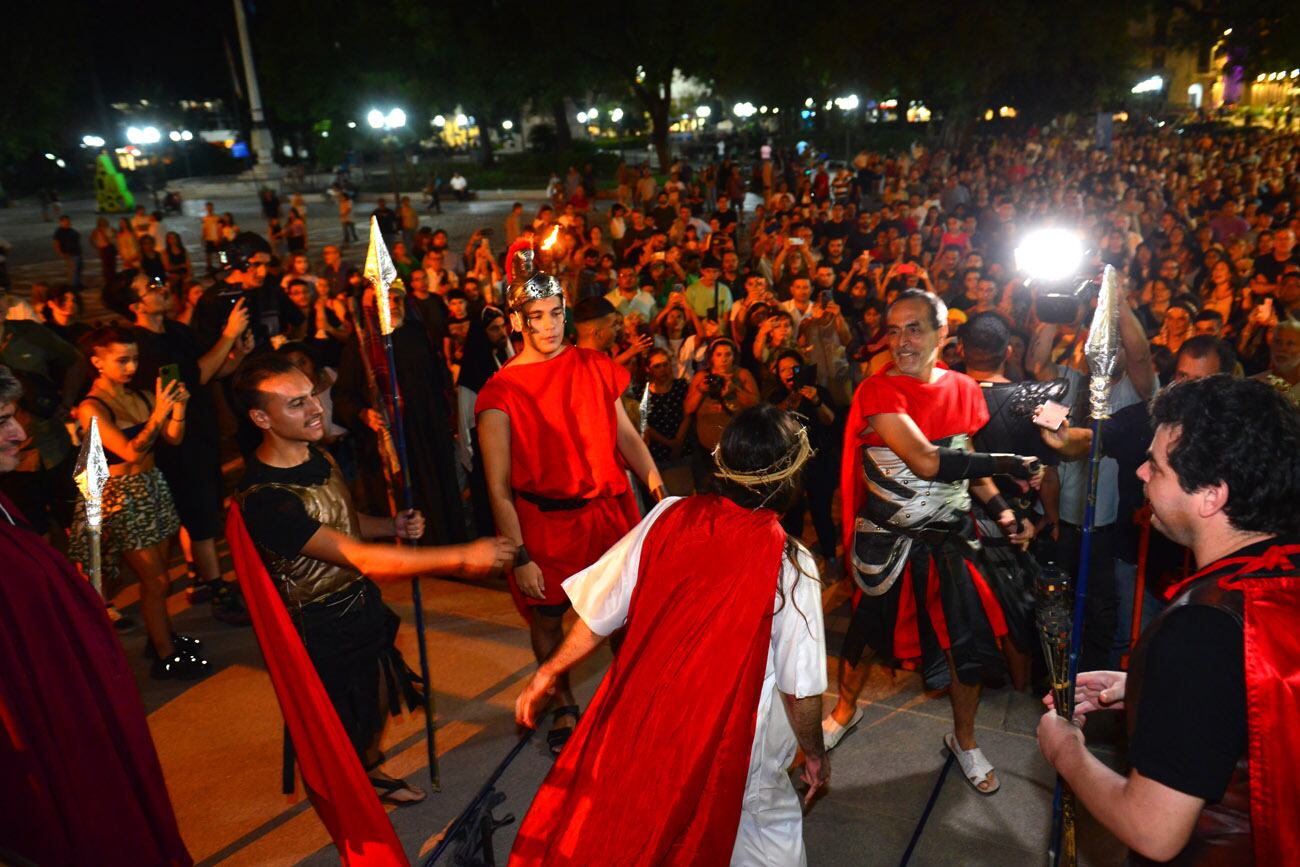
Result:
<point x="1134" y="382"/>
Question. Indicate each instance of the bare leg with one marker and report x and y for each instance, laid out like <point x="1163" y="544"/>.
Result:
<point x="965" y="700"/>
<point x="203" y="554"/>
<point x="150" y="564"/>
<point x="1018" y="664"/>
<point x="852" y="679"/>
<point x="547" y="633"/>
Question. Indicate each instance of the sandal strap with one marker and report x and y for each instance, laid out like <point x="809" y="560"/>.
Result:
<point x="973" y="763"/>
<point x="568" y="710"/>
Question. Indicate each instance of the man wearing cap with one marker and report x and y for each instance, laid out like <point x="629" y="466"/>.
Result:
<point x="556" y="441"/>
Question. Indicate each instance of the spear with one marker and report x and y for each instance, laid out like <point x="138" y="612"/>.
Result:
<point x="90" y="474"/>
<point x="382" y="274"/>
<point x="1102" y="352"/>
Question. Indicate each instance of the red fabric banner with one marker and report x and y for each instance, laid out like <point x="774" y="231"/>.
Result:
<point x="336" y="783"/>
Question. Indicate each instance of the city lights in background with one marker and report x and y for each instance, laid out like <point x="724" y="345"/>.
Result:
<point x="847" y="103"/>
<point x="394" y="119"/>
<point x="148" y="135"/>
<point x="93" y="141"/>
<point x="507" y="125"/>
<point x="743" y="110"/>
<point x="1154" y="84"/>
<point x="703" y="111"/>
<point x="616" y="115"/>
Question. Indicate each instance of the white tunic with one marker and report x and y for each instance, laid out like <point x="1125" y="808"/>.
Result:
<point x="771" y="822"/>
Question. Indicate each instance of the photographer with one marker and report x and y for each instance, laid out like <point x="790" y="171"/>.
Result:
<point x="717" y="394"/>
<point x="799" y="395"/>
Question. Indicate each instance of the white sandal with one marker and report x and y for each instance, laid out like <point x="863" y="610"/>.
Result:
<point x="833" y="732"/>
<point x="973" y="764"/>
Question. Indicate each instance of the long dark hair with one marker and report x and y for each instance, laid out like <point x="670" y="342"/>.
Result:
<point x="757" y="439"/>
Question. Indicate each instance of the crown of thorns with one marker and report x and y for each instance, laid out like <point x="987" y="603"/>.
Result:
<point x="783" y="469"/>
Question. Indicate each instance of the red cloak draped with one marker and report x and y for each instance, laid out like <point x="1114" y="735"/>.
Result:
<point x="655" y="772"/>
<point x="950" y="406"/>
<point x="335" y="781"/>
<point x="564" y="446"/>
<point x="1272" y="652"/>
<point x="80" y="781"/>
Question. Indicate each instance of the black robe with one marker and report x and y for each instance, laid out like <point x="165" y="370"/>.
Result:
<point x="423" y="378"/>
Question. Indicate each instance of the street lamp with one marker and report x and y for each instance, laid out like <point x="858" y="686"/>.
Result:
<point x="147" y="136"/>
<point x="616" y="115"/>
<point x="389" y="122"/>
<point x="92" y="141"/>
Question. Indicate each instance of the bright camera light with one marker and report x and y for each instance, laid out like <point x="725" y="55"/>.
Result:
<point x="1050" y="254"/>
<point x="396" y="118"/>
<point x="375" y="118"/>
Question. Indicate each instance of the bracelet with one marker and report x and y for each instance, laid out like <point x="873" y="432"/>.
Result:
<point x="521" y="556"/>
<point x="996" y="505"/>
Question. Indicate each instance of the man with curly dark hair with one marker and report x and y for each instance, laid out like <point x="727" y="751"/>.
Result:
<point x="1213" y="707"/>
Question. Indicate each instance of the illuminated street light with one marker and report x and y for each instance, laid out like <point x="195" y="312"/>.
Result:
<point x="703" y="111"/>
<point x="61" y="164"/>
<point x="1228" y="32"/>
<point x="352" y="124"/>
<point x="847" y="103"/>
<point x="616" y="115"/>
<point x="92" y="141"/>
<point x="1154" y="84"/>
<point x="461" y="120"/>
<point x="174" y="135"/>
<point x="375" y="118"/>
<point x="582" y="117"/>
<point x="808" y="103"/>
<point x="507" y="124"/>
<point x="592" y="114"/>
<point x="396" y="118"/>
<point x="743" y="110"/>
<point x="51" y="157"/>
<point x="439" y="120"/>
<point x="186" y="135"/>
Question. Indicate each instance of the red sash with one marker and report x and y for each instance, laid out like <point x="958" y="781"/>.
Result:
<point x="655" y="773"/>
<point x="1272" y="650"/>
<point x="335" y="781"/>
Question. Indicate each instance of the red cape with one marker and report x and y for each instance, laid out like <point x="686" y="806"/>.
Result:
<point x="335" y="781"/>
<point x="80" y="781"/>
<point x="655" y="772"/>
<point x="1270" y="585"/>
<point x="950" y="406"/>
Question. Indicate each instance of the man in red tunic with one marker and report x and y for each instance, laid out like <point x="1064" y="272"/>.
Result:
<point x="79" y="778"/>
<point x="682" y="757"/>
<point x="555" y="441"/>
<point x="1212" y="694"/>
<point x="909" y="479"/>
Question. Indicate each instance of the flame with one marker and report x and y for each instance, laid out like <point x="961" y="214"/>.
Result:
<point x="552" y="238"/>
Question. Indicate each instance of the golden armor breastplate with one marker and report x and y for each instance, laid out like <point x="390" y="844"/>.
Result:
<point x="303" y="579"/>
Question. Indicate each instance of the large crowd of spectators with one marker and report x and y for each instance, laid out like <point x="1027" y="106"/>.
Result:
<point x="718" y="286"/>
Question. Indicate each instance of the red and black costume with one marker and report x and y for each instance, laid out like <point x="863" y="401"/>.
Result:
<point x="571" y="489"/>
<point x="911" y="544"/>
<point x="1213" y="698"/>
